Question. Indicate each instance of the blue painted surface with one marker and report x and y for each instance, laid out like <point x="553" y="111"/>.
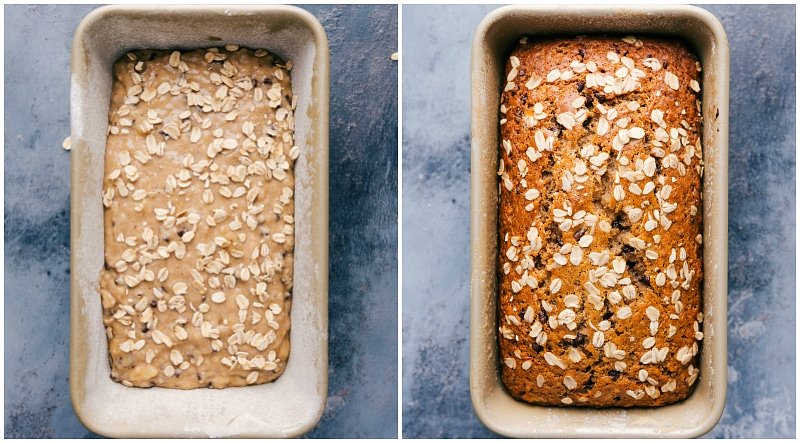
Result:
<point x="362" y="399"/>
<point x="761" y="371"/>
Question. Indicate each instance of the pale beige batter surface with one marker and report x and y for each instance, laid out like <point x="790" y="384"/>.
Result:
<point x="199" y="218"/>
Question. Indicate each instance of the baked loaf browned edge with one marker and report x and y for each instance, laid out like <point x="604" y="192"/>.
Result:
<point x="600" y="221"/>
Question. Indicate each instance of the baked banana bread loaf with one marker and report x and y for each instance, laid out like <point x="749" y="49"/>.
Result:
<point x="600" y="221"/>
<point x="199" y="218"/>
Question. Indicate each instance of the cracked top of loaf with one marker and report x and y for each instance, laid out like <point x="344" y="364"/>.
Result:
<point x="600" y="221"/>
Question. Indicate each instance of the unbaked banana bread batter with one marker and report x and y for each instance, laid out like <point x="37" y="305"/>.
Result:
<point x="199" y="218"/>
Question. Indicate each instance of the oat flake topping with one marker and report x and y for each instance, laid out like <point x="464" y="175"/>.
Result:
<point x="199" y="218"/>
<point x="599" y="221"/>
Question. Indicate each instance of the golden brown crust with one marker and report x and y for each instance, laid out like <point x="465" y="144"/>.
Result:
<point x="600" y="216"/>
<point x="198" y="192"/>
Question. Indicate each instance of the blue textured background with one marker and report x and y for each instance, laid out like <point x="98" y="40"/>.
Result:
<point x="761" y="365"/>
<point x="362" y="399"/>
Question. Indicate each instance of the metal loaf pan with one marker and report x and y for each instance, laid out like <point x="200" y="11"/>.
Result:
<point x="492" y="42"/>
<point x="291" y="405"/>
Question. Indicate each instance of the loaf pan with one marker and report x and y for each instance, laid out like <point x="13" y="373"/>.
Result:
<point x="292" y="404"/>
<point x="493" y="40"/>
